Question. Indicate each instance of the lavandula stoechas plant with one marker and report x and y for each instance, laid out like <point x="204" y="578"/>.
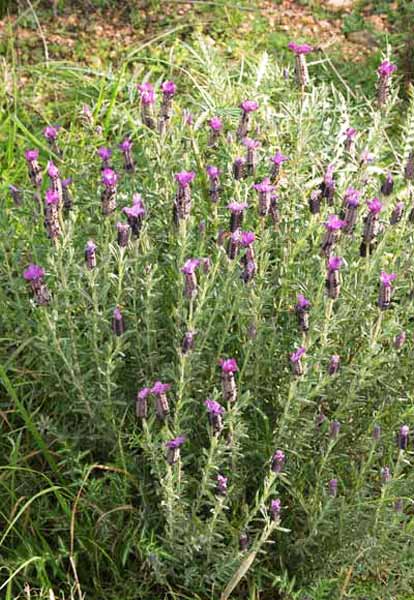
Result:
<point x="251" y="147"/>
<point x="247" y="239"/>
<point x="247" y="107"/>
<point x="215" y="415"/>
<point x="135" y="214"/>
<point x="66" y="194"/>
<point x="162" y="407"/>
<point x="105" y="155"/>
<point x="265" y="189"/>
<point x="52" y="223"/>
<point x="333" y="227"/>
<point x="55" y="180"/>
<point x="90" y="254"/>
<point x="228" y="369"/>
<point x="301" y="68"/>
<point x="126" y="148"/>
<point x="296" y="361"/>
<point x="350" y="135"/>
<point x="35" y="172"/>
<point x="333" y="282"/>
<point x="118" y="322"/>
<point x="214" y="188"/>
<point x="277" y="161"/>
<point x="169" y="90"/>
<point x="147" y="104"/>
<point x="141" y="403"/>
<point x="385" y="290"/>
<point x="351" y="203"/>
<point x="173" y="449"/>
<point x="182" y="202"/>
<point x="328" y="185"/>
<point x="34" y="275"/>
<point x="51" y="133"/>
<point x="302" y="311"/>
<point x="385" y="70"/>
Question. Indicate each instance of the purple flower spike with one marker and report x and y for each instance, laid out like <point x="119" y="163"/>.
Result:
<point x="385" y="475"/>
<point x="52" y="170"/>
<point x="299" y="48"/>
<point x="147" y="93"/>
<point x="160" y="388"/>
<point x="297" y="355"/>
<point x="264" y="186"/>
<point x="333" y="487"/>
<point x="31" y="155"/>
<point x="118" y="324"/>
<point x="375" y="205"/>
<point x="176" y="442"/>
<point x="33" y="272"/>
<point x="279" y="158"/>
<point x="221" y="485"/>
<point x="334" y="429"/>
<point x="386" y="69"/>
<point x="376" y="432"/>
<point x="52" y="197"/>
<point x="248" y="106"/>
<point x="403" y="437"/>
<point x="350" y="133"/>
<point x="126" y="145"/>
<point x="168" y="88"/>
<point x="237" y="207"/>
<point x="387" y="278"/>
<point x="213" y="172"/>
<point x="214" y="407"/>
<point x="216" y="123"/>
<point x="109" y="177"/>
<point x="302" y="302"/>
<point x="278" y="461"/>
<point x="50" y="132"/>
<point x="334" y="223"/>
<point x="190" y="266"/>
<point x="104" y="153"/>
<point x="251" y="144"/>
<point x="184" y="178"/>
<point x="335" y="263"/>
<point x="334" y="364"/>
<point x="351" y="197"/>
<point x="275" y="509"/>
<point x="228" y="365"/>
<point x="247" y="238"/>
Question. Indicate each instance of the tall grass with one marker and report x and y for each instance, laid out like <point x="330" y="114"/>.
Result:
<point x="89" y="504"/>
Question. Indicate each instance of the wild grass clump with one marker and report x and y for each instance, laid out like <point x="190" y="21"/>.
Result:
<point x="207" y="289"/>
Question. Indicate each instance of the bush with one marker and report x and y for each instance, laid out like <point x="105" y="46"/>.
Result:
<point x="92" y="498"/>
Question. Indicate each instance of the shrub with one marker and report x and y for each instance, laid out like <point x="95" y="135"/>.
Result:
<point x="118" y="479"/>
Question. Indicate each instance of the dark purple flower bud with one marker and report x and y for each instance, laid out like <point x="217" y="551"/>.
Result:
<point x="251" y="147"/>
<point x="265" y="189"/>
<point x="302" y="311"/>
<point x="188" y="342"/>
<point x="371" y="226"/>
<point x="275" y="509"/>
<point x="56" y="182"/>
<point x="301" y="68"/>
<point x="206" y="264"/>
<point x="333" y="226"/>
<point x="213" y="174"/>
<point x="105" y="154"/>
<point x="35" y="173"/>
<point x="315" y="202"/>
<point x="334" y="429"/>
<point x="403" y="437"/>
<point x="162" y="407"/>
<point x="16" y="194"/>
<point x="182" y="205"/>
<point x="239" y="167"/>
<point x="333" y="487"/>
<point x="118" y="324"/>
<point x="384" y="71"/>
<point x="385" y="291"/>
<point x="50" y="132"/>
<point x="400" y="340"/>
<point x="190" y="289"/>
<point x="387" y="185"/>
<point x="228" y="368"/>
<point x="278" y="159"/>
<point x="296" y="361"/>
<point x="90" y="254"/>
<point x="126" y="149"/>
<point x="333" y="281"/>
<point x="135" y="214"/>
<point x="385" y="475"/>
<point x="237" y="212"/>
<point x="52" y="223"/>
<point x="320" y="418"/>
<point x="173" y="449"/>
<point x="278" y="461"/>
<point x="409" y="167"/>
<point x="243" y="542"/>
<point x="123" y="234"/>
<point x="399" y="505"/>
<point x="141" y="405"/>
<point x="328" y="185"/>
<point x="108" y="198"/>
<point x="248" y="107"/>
<point x="350" y="135"/>
<point x="168" y="89"/>
<point x="147" y="101"/>
<point x="216" y="126"/>
<point x="215" y="415"/>
<point x="34" y="275"/>
<point x="221" y="489"/>
<point x="334" y="364"/>
<point x="397" y="213"/>
<point x="376" y="432"/>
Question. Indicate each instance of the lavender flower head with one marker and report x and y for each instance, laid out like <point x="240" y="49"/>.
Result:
<point x="228" y="365"/>
<point x="302" y="302"/>
<point x="52" y="197"/>
<point x="118" y="324"/>
<point x="299" y="48"/>
<point x="213" y="172"/>
<point x="247" y="238"/>
<point x="297" y="355"/>
<point x="216" y="123"/>
<point x="147" y="93"/>
<point x="278" y="461"/>
<point x="385" y="474"/>
<point x="31" y="155"/>
<point x="375" y="206"/>
<point x="184" y="178"/>
<point x="248" y="106"/>
<point x="264" y="186"/>
<point x="376" y="432"/>
<point x="334" y="223"/>
<point x="190" y="266"/>
<point x="386" y="68"/>
<point x="251" y="144"/>
<point x="33" y="272"/>
<point x="279" y="158"/>
<point x="126" y="145"/>
<point x="50" y="132"/>
<point x="214" y="408"/>
<point x="403" y="436"/>
<point x="335" y="263"/>
<point x="160" y="388"/>
<point x="52" y="170"/>
<point x="334" y="429"/>
<point x="176" y="442"/>
<point x="168" y="88"/>
<point x="104" y="153"/>
<point x="222" y="485"/>
<point x="387" y="278"/>
<point x="334" y="364"/>
<point x="333" y="487"/>
<point x="351" y="197"/>
<point x="275" y="509"/>
<point x="350" y="133"/>
<point x="237" y="207"/>
<point x="109" y="178"/>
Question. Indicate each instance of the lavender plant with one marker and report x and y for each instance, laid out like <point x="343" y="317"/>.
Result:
<point x="201" y="406"/>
